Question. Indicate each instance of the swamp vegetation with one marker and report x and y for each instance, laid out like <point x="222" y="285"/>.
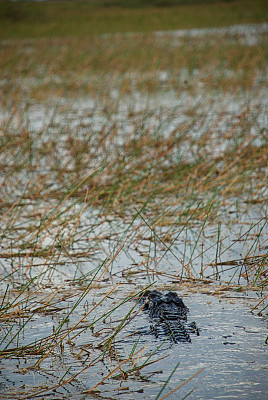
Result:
<point x="132" y="157"/>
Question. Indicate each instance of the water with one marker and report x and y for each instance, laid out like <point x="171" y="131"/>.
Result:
<point x="230" y="352"/>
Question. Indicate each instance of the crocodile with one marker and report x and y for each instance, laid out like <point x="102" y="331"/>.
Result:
<point x="168" y="316"/>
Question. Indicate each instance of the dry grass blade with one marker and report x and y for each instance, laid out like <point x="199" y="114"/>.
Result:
<point x="257" y="305"/>
<point x="114" y="370"/>
<point x="74" y="327"/>
<point x="62" y="384"/>
<point x="182" y="384"/>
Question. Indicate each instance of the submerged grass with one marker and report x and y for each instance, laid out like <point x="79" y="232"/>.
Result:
<point x="120" y="154"/>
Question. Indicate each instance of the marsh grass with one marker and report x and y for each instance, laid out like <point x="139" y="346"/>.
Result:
<point x="80" y="18"/>
<point x="146" y="182"/>
<point x="70" y="67"/>
<point x="87" y="186"/>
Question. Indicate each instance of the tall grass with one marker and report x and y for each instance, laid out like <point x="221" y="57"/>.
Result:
<point x="119" y="154"/>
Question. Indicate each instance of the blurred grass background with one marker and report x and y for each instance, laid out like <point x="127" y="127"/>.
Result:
<point x="78" y="18"/>
<point x="89" y="169"/>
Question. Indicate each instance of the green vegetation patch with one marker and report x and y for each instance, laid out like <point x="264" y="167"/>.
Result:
<point x="79" y="18"/>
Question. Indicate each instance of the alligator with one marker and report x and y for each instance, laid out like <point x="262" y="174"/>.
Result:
<point x="168" y="316"/>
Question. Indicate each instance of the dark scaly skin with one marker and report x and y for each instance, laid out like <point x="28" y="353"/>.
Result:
<point x="168" y="315"/>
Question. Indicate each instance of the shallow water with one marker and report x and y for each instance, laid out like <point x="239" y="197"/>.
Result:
<point x="230" y="350"/>
<point x="231" y="347"/>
